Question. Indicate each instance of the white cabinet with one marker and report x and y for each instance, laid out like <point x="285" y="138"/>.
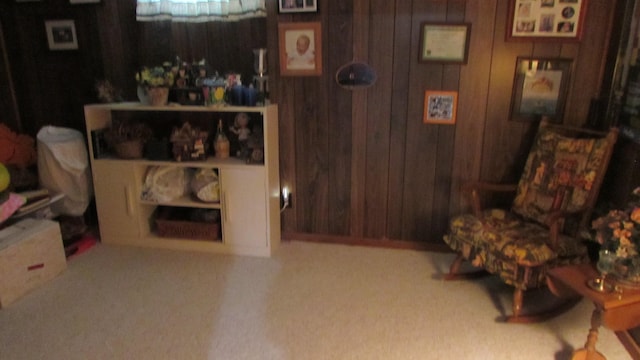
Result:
<point x="115" y="186"/>
<point x="244" y="207"/>
<point x="248" y="210"/>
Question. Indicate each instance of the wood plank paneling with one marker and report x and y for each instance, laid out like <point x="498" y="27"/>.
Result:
<point x="361" y="164"/>
<point x="377" y="133"/>
<point x="422" y="139"/>
<point x="446" y="139"/>
<point x="398" y="117"/>
<point x="472" y="106"/>
<point x="340" y="35"/>
<point x="359" y="122"/>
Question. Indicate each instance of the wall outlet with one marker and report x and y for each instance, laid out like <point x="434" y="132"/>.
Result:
<point x="286" y="199"/>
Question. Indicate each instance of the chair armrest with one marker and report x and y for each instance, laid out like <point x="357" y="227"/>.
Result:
<point x="473" y="190"/>
<point x="555" y="221"/>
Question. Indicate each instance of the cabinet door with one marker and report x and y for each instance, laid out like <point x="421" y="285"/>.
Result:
<point x="115" y="192"/>
<point x="244" y="208"/>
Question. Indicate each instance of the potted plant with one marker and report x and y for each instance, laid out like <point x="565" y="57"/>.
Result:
<point x="128" y="139"/>
<point x="154" y="84"/>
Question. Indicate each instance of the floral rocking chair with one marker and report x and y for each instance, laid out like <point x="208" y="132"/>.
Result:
<point x="553" y="201"/>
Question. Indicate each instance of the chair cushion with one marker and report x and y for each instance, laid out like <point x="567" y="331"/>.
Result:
<point x="507" y="236"/>
<point x="558" y="175"/>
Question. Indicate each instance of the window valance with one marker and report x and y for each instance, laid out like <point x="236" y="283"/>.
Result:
<point x="199" y="10"/>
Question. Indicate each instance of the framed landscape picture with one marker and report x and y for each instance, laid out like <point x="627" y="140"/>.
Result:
<point x="540" y="88"/>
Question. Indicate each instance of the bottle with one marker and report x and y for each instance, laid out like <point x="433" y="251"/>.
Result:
<point x="221" y="142"/>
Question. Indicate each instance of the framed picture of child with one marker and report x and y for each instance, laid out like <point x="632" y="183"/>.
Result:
<point x="300" y="48"/>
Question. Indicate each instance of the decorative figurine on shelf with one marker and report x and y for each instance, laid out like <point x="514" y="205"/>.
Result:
<point x="241" y="129"/>
<point x="189" y="143"/>
<point x="255" y="145"/>
<point x="182" y="81"/>
<point x="221" y="142"/>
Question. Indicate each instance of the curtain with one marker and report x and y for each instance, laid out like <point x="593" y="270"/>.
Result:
<point x="199" y="10"/>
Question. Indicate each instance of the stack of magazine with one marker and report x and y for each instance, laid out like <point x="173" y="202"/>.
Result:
<point x="37" y="203"/>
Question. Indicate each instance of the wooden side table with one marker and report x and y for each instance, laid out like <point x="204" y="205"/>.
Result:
<point x="617" y="311"/>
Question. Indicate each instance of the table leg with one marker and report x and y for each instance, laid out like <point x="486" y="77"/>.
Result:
<point x="589" y="351"/>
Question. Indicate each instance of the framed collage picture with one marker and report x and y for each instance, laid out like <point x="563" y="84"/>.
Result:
<point x="297" y="6"/>
<point x="440" y="107"/>
<point x="546" y="20"/>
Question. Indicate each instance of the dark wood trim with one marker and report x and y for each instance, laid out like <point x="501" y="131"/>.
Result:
<point x="359" y="241"/>
<point x="14" y="118"/>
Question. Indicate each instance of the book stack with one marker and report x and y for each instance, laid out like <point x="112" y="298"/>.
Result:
<point x="36" y="200"/>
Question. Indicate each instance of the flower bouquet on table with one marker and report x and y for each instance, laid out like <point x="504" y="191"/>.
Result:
<point x="619" y="232"/>
<point x="154" y="84"/>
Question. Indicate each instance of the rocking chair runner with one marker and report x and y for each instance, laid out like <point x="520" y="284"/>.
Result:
<point x="554" y="199"/>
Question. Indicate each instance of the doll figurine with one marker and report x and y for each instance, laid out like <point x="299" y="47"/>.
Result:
<point x="241" y="129"/>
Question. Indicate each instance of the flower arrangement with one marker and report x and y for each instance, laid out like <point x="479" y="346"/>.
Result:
<point x="155" y="76"/>
<point x="619" y="231"/>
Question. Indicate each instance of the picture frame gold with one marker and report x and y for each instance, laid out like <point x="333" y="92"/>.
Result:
<point x="546" y="20"/>
<point x="444" y="42"/>
<point x="61" y="34"/>
<point x="440" y="107"/>
<point x="540" y="88"/>
<point x="300" y="48"/>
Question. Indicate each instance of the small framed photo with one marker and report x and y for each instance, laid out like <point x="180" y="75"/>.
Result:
<point x="61" y="34"/>
<point x="540" y="88"/>
<point x="297" y="6"/>
<point x="300" y="48"/>
<point x="440" y="107"/>
<point x="546" y="20"/>
<point x="444" y="43"/>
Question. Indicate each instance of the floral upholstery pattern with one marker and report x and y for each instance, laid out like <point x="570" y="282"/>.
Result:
<point x="553" y="200"/>
<point x="505" y="245"/>
<point x="558" y="175"/>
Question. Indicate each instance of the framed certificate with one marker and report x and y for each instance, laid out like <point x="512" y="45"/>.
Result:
<point x="444" y="43"/>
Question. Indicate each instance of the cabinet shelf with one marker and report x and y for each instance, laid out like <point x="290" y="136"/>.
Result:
<point x="210" y="162"/>
<point x="249" y="210"/>
<point x="185" y="201"/>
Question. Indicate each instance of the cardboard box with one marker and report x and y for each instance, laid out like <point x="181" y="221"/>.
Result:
<point x="31" y="253"/>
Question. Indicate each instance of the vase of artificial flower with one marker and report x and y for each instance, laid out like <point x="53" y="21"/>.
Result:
<point x="158" y="95"/>
<point x="619" y="232"/>
<point x="143" y="96"/>
<point x="154" y="84"/>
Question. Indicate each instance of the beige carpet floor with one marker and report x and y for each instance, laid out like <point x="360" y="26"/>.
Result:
<point x="309" y="301"/>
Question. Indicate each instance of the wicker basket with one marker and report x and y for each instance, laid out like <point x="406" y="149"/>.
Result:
<point x="129" y="149"/>
<point x="168" y="226"/>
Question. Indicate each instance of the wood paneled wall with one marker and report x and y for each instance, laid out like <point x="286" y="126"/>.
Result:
<point x="362" y="166"/>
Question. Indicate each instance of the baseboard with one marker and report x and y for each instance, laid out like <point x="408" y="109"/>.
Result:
<point x="359" y="241"/>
